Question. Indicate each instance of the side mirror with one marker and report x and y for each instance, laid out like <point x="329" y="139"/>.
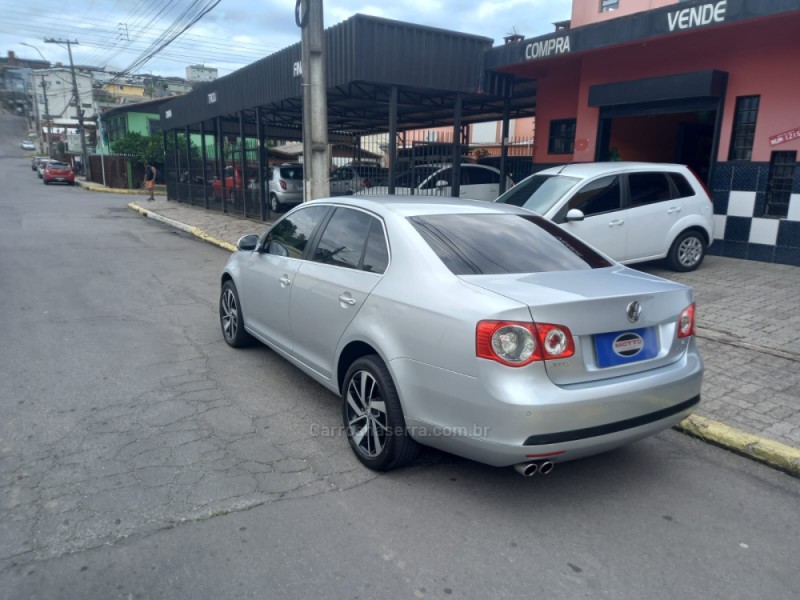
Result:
<point x="247" y="243"/>
<point x="441" y="184"/>
<point x="574" y="214"/>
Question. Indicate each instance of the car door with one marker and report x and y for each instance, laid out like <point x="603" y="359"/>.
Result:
<point x="653" y="210"/>
<point x="268" y="275"/>
<point x="330" y="288"/>
<point x="604" y="224"/>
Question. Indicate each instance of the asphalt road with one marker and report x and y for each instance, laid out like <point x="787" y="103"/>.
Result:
<point x="140" y="457"/>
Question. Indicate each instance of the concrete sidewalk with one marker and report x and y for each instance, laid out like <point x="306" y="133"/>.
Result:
<point x="748" y="333"/>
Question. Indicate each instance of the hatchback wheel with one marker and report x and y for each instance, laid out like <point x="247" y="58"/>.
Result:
<point x="274" y="204"/>
<point x="373" y="417"/>
<point x="687" y="252"/>
<point x="230" y="317"/>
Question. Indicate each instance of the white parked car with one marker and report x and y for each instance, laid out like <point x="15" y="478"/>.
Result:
<point x="478" y="182"/>
<point x="633" y="212"/>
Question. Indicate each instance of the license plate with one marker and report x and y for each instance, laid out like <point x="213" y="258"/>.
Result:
<point x="623" y="347"/>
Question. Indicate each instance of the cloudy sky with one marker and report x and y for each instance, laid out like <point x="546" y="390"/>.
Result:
<point x="121" y="34"/>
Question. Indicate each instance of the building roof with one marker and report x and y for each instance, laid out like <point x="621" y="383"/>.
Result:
<point x="365" y="56"/>
<point x="146" y="106"/>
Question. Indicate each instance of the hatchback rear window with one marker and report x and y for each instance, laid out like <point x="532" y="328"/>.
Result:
<point x="292" y="172"/>
<point x="57" y="165"/>
<point x="491" y="244"/>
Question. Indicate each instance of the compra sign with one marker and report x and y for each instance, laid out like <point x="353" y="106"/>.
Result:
<point x="545" y="48"/>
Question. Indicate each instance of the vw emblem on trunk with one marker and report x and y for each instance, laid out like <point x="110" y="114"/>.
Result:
<point x="634" y="311"/>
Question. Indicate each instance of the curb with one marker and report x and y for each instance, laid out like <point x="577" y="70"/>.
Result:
<point x="95" y="188"/>
<point x="769" y="452"/>
<point x="780" y="456"/>
<point x="183" y="227"/>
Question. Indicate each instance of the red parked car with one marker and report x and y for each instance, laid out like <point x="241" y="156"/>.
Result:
<point x="58" y="171"/>
<point x="233" y="183"/>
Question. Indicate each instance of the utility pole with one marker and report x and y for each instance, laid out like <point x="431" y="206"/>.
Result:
<point x="49" y="122"/>
<point x="76" y="94"/>
<point x="308" y="16"/>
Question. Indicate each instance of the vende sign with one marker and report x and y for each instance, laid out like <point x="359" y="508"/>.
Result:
<point x="696" y="16"/>
<point x="786" y="136"/>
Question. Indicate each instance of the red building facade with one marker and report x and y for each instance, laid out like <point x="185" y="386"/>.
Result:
<point x="710" y="84"/>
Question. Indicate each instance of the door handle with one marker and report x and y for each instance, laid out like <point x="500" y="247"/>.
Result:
<point x="345" y="299"/>
<point x="673" y="209"/>
<point x="615" y="222"/>
<point x="285" y="281"/>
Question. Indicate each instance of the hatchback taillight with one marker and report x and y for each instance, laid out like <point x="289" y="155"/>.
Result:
<point x="686" y="322"/>
<point x="366" y="183"/>
<point x="282" y="184"/>
<point x="518" y="343"/>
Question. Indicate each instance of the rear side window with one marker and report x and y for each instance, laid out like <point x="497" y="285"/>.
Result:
<point x="683" y="187"/>
<point x="487" y="244"/>
<point x="342" y="242"/>
<point x="648" y="188"/>
<point x="479" y="176"/>
<point x="291" y="234"/>
<point x="376" y="255"/>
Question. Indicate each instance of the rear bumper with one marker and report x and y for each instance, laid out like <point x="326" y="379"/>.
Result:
<point x="516" y="418"/>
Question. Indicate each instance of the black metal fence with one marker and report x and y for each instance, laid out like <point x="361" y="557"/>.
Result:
<point x="222" y="172"/>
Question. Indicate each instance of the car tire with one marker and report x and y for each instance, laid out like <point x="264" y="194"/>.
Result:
<point x="687" y="251"/>
<point x="230" y="317"/>
<point x="275" y="204"/>
<point x="45" y="181"/>
<point x="378" y="437"/>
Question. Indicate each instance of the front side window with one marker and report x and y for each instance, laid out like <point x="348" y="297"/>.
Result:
<point x="290" y="236"/>
<point x="648" y="188"/>
<point x="562" y="136"/>
<point x="490" y="244"/>
<point x="744" y="128"/>
<point x="342" y="242"/>
<point x="445" y="175"/>
<point x="598" y="196"/>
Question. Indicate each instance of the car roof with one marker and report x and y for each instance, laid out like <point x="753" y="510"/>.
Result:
<point x="405" y="206"/>
<point x="586" y="170"/>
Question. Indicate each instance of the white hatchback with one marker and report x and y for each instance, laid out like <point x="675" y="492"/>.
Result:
<point x="633" y="212"/>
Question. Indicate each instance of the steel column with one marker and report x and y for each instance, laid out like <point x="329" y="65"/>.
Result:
<point x="204" y="158"/>
<point x="392" y="139"/>
<point x="243" y="165"/>
<point x="189" y="164"/>
<point x="262" y="164"/>
<point x="457" y="112"/>
<point x="504" y="142"/>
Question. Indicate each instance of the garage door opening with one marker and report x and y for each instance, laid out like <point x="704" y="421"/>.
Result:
<point x="683" y="137"/>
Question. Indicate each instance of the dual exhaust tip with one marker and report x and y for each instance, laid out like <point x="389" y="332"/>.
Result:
<point x="532" y="468"/>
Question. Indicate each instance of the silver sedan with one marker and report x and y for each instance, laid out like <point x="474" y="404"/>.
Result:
<point x="482" y="330"/>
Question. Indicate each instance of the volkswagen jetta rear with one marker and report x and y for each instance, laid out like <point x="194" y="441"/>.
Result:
<point x="580" y="356"/>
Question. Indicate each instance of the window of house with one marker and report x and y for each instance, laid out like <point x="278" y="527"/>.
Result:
<point x="153" y="126"/>
<point x="744" y="128"/>
<point x="562" y="136"/>
<point x="607" y="5"/>
<point x="779" y="183"/>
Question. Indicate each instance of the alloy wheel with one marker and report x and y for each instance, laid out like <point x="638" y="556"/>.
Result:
<point x="230" y="314"/>
<point x="367" y="420"/>
<point x="690" y="251"/>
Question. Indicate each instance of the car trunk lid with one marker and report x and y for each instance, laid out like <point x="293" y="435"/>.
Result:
<point x="595" y="306"/>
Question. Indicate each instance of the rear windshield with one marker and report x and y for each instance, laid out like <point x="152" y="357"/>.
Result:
<point x="538" y="193"/>
<point x="57" y="165"/>
<point x="491" y="244"/>
<point x="291" y="172"/>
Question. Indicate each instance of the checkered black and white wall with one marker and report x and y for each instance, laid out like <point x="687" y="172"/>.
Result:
<point x="741" y="229"/>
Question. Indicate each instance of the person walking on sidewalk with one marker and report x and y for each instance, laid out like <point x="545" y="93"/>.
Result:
<point x="149" y="180"/>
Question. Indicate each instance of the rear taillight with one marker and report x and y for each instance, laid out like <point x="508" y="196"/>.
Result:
<point x="282" y="184"/>
<point x="517" y="343"/>
<point x="686" y="322"/>
<point x="702" y="185"/>
<point x="366" y="183"/>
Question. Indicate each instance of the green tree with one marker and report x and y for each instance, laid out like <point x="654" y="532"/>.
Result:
<point x="132" y="144"/>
